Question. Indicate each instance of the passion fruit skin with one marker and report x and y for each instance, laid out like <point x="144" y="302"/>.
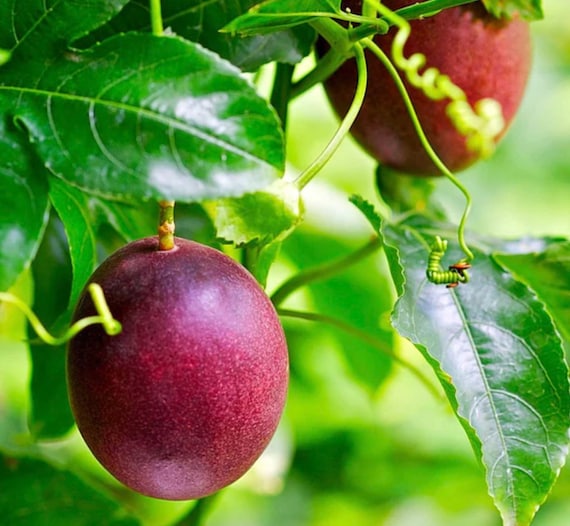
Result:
<point x="183" y="401"/>
<point x="484" y="56"/>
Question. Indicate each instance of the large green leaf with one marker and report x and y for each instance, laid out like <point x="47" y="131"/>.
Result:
<point x="33" y="27"/>
<point x="201" y="22"/>
<point x="33" y="493"/>
<point x="500" y="360"/>
<point x="24" y="205"/>
<point x="73" y="209"/>
<point x="548" y="273"/>
<point x="142" y="117"/>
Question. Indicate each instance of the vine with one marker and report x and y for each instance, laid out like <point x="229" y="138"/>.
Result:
<point x="104" y="317"/>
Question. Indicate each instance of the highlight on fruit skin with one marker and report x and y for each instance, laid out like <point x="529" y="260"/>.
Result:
<point x="183" y="401"/>
<point x="486" y="57"/>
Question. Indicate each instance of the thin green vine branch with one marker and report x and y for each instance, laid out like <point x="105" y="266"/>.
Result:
<point x="281" y="92"/>
<point x="426" y="144"/>
<point x="324" y="157"/>
<point x="324" y="271"/>
<point x="364" y="337"/>
<point x="156" y="17"/>
<point x="104" y="317"/>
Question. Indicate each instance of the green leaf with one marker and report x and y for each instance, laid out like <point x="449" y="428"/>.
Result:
<point x="526" y="9"/>
<point x="261" y="217"/>
<point x="50" y="415"/>
<point x="72" y="208"/>
<point x="501" y="362"/>
<point x="129" y="221"/>
<point x="167" y="119"/>
<point x="31" y="28"/>
<point x="201" y="22"/>
<point x="33" y="493"/>
<point x="368" y="211"/>
<point x="547" y="273"/>
<point x="24" y="205"/>
<point x="274" y="15"/>
<point x="337" y="295"/>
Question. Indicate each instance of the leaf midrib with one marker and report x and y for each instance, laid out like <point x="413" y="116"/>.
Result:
<point x="488" y="394"/>
<point x="157" y="117"/>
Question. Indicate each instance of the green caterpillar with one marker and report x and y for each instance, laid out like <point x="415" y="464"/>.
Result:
<point x="435" y="273"/>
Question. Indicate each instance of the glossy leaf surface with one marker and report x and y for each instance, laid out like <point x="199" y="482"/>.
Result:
<point x="500" y="360"/>
<point x="201" y="22"/>
<point x="174" y="121"/>
<point x="548" y="273"/>
<point x="24" y="206"/>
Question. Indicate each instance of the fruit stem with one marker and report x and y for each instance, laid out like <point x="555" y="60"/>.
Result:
<point x="166" y="226"/>
<point x="104" y="317"/>
<point x="364" y="337"/>
<point x="324" y="271"/>
<point x="345" y="125"/>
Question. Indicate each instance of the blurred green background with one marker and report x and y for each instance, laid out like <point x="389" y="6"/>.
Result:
<point x="346" y="454"/>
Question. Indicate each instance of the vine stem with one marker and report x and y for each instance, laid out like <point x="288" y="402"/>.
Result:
<point x="368" y="43"/>
<point x="364" y="337"/>
<point x="156" y="18"/>
<point x="345" y="125"/>
<point x="323" y="271"/>
<point x="104" y="317"/>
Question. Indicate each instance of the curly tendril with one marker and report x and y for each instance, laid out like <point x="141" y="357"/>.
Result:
<point x="481" y="123"/>
<point x="104" y="317"/>
<point x="435" y="273"/>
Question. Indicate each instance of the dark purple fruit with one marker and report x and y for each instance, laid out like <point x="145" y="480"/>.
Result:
<point x="484" y="56"/>
<point x="184" y="400"/>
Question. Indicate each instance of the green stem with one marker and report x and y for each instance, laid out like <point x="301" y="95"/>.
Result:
<point x="425" y="142"/>
<point x="166" y="226"/>
<point x="156" y="18"/>
<point x="111" y="326"/>
<point x="281" y="93"/>
<point x="345" y="125"/>
<point x="196" y="515"/>
<point x="325" y="67"/>
<point x="324" y="271"/>
<point x="364" y="337"/>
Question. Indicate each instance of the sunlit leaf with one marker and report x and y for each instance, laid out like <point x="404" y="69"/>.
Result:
<point x="173" y="121"/>
<point x="547" y="272"/>
<point x="500" y="359"/>
<point x="260" y="217"/>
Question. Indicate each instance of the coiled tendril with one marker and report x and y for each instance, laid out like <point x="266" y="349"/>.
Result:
<point x="481" y="123"/>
